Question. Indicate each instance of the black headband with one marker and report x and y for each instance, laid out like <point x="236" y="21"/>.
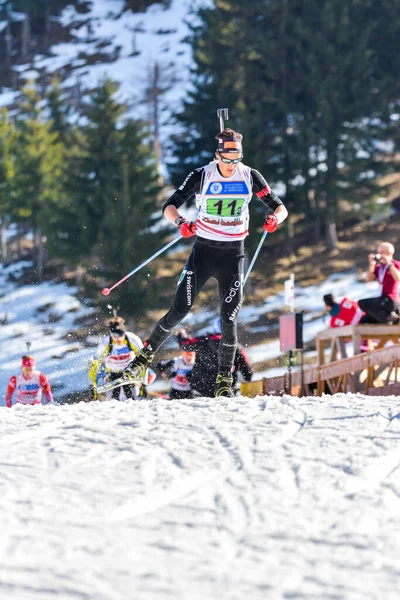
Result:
<point x="117" y="328"/>
<point x="229" y="145"/>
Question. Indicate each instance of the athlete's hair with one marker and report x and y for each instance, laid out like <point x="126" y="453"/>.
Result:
<point x="329" y="300"/>
<point x="229" y="134"/>
<point x="387" y="246"/>
<point x="115" y="321"/>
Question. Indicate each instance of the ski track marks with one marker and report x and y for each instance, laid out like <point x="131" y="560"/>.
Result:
<point x="265" y="498"/>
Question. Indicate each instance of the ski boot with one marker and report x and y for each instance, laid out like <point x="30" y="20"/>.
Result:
<point x="223" y="385"/>
<point x="138" y="367"/>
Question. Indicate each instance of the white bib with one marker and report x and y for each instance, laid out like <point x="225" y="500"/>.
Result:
<point x="28" y="391"/>
<point x="182" y="370"/>
<point x="223" y="204"/>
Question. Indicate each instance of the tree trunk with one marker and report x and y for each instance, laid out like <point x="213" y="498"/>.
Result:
<point x="156" y="91"/>
<point x="331" y="195"/>
<point x="3" y="238"/>
<point x="39" y="243"/>
<point x="331" y="238"/>
<point x="289" y="234"/>
<point x="79" y="275"/>
<point x="26" y="37"/>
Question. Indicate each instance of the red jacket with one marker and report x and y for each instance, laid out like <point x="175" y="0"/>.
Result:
<point x="29" y="396"/>
<point x="349" y="314"/>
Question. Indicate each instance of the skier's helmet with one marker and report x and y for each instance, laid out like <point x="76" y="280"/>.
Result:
<point x="28" y="362"/>
<point x="117" y="328"/>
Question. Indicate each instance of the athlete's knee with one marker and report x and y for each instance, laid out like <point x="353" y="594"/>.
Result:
<point x="174" y="317"/>
<point x="230" y="313"/>
<point x="229" y="331"/>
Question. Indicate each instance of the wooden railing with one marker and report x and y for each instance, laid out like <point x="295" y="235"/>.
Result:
<point x="363" y="372"/>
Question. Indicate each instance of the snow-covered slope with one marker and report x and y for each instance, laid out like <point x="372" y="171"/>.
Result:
<point x="45" y="315"/>
<point x="265" y="499"/>
<point x="124" y="46"/>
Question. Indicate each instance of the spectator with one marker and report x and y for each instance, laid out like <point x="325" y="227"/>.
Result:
<point x="179" y="370"/>
<point x="29" y="385"/>
<point x="383" y="268"/>
<point x="346" y="313"/>
<point x="206" y="364"/>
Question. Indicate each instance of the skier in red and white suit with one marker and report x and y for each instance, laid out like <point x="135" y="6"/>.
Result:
<point x="29" y="385"/>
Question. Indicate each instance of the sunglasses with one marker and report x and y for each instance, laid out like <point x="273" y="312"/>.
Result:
<point x="228" y="161"/>
<point x="117" y="334"/>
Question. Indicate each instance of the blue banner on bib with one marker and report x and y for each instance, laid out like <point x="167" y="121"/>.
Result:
<point x="217" y="188"/>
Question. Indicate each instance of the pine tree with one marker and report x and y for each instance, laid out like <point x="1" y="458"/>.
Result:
<point x="7" y="176"/>
<point x="97" y="182"/>
<point x="131" y="225"/>
<point x="307" y="85"/>
<point x="60" y="111"/>
<point x="39" y="167"/>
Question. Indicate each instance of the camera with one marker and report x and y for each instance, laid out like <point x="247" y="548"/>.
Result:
<point x="377" y="257"/>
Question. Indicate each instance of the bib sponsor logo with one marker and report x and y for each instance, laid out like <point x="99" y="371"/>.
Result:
<point x="215" y="188"/>
<point x="227" y="188"/>
<point x="29" y="387"/>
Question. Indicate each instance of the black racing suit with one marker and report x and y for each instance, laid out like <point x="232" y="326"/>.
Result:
<point x="205" y="367"/>
<point x="223" y="261"/>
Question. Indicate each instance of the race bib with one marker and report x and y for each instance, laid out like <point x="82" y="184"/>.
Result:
<point x="225" y="207"/>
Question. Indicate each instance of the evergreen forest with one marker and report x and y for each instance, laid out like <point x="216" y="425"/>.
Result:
<point x="312" y="85"/>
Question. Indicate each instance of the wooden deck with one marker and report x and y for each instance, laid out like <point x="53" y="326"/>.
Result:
<point x="336" y="372"/>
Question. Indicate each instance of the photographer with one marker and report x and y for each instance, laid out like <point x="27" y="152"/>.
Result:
<point x="384" y="269"/>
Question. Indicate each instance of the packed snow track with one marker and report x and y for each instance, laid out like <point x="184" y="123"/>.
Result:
<point x="266" y="498"/>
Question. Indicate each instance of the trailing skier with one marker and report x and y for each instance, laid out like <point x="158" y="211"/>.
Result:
<point x="179" y="371"/>
<point x="29" y="385"/>
<point x="115" y="354"/>
<point x="205" y="368"/>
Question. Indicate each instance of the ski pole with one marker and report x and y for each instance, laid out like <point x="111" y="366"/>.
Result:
<point x="256" y="253"/>
<point x="105" y="291"/>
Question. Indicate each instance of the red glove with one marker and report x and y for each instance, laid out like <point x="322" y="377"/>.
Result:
<point x="187" y="229"/>
<point x="271" y="223"/>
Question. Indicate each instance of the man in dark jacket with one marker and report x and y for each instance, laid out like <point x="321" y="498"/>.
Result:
<point x="205" y="368"/>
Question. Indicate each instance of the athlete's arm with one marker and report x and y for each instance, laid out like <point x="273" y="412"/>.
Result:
<point x="166" y="367"/>
<point x="263" y="191"/>
<point x="45" y="385"/>
<point x="12" y="384"/>
<point x="185" y="192"/>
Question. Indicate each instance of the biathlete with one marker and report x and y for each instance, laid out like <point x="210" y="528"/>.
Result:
<point x="29" y="385"/>
<point x="115" y="354"/>
<point x="223" y="191"/>
<point x="179" y="371"/>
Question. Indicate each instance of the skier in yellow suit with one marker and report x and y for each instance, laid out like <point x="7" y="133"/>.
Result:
<point x="115" y="353"/>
